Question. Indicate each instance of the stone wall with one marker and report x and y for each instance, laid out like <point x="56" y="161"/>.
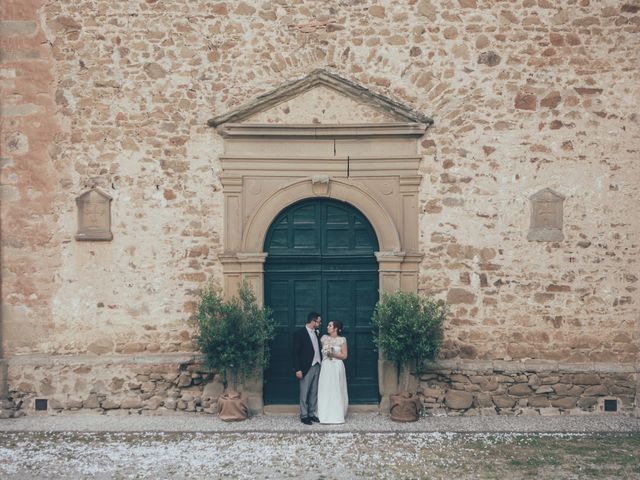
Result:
<point x="121" y="385"/>
<point x="525" y="95"/>
<point x="527" y="388"/>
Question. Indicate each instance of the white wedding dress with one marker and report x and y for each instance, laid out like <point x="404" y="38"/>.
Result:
<point x="333" y="398"/>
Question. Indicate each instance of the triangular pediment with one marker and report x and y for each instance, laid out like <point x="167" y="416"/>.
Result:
<point x="321" y="98"/>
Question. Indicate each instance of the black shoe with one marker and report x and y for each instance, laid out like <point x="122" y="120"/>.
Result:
<point x="314" y="419"/>
<point x="306" y="421"/>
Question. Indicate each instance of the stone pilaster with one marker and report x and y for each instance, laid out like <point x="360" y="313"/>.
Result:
<point x="398" y="271"/>
<point x="243" y="266"/>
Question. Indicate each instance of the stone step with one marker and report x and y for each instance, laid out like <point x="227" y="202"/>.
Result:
<point x="295" y="409"/>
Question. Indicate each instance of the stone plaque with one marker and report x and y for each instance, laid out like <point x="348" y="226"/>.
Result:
<point x="546" y="216"/>
<point x="94" y="216"/>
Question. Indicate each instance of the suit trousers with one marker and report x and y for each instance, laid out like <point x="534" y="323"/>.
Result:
<point x="309" y="392"/>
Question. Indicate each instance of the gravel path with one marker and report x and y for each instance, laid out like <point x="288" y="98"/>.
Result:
<point x="368" y="446"/>
<point x="356" y="422"/>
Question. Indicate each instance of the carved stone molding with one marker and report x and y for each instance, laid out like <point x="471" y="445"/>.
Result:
<point x="321" y="77"/>
<point x="320" y="185"/>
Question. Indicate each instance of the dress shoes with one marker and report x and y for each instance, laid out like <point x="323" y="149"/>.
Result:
<point x="306" y="421"/>
<point x="314" y="419"/>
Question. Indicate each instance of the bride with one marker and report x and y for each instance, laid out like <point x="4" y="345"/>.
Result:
<point x="333" y="399"/>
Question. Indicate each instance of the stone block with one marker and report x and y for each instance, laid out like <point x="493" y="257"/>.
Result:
<point x="131" y="403"/>
<point x="529" y="412"/>
<point x="549" y="412"/>
<point x="539" y="401"/>
<point x="525" y="101"/>
<point x="519" y="390"/>
<point x="459" y="295"/>
<point x="487" y="412"/>
<point x="484" y="400"/>
<point x="544" y="389"/>
<point x="427" y="392"/>
<point x="458" y="400"/>
<point x="550" y="380"/>
<point x="153" y="403"/>
<point x="566" y="389"/>
<point x="587" y="403"/>
<point x="596" y="390"/>
<point x="91" y="402"/>
<point x="74" y="404"/>
<point x="586" y="379"/>
<point x="565" y="403"/>
<point x="184" y="380"/>
<point x="489" y="385"/>
<point x="5" y="414"/>
<point x="620" y="390"/>
<point x="503" y="401"/>
<point x="110" y="404"/>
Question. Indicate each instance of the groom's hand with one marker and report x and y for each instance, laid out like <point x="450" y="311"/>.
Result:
<point x="299" y="374"/>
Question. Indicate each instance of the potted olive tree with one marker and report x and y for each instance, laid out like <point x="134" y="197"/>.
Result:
<point x="233" y="337"/>
<point x="407" y="329"/>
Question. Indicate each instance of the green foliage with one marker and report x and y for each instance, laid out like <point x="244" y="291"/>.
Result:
<point x="408" y="327"/>
<point x="233" y="335"/>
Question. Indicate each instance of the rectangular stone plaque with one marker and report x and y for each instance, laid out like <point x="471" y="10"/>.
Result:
<point x="94" y="216"/>
<point x="546" y="216"/>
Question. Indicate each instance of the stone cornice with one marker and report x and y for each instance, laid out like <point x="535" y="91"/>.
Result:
<point x="321" y="77"/>
<point x="246" y="130"/>
<point x="538" y="366"/>
<point x="497" y="366"/>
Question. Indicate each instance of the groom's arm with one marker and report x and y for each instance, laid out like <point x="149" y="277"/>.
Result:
<point x="297" y="363"/>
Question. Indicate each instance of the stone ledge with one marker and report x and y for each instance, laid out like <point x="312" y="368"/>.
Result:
<point x="143" y="359"/>
<point x="534" y="366"/>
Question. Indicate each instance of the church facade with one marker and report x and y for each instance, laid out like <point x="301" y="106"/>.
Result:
<point x="483" y="153"/>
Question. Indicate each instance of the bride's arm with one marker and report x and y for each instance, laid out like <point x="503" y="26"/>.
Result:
<point x="343" y="352"/>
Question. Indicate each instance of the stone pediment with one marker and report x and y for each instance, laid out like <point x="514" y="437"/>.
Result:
<point x="322" y="98"/>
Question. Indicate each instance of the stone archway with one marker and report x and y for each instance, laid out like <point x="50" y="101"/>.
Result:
<point x="271" y="164"/>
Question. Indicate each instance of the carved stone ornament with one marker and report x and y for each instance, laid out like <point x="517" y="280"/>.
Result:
<point x="94" y="216"/>
<point x="320" y="184"/>
<point x="546" y="216"/>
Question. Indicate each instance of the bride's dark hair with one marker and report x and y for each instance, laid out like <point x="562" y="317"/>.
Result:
<point x="337" y="325"/>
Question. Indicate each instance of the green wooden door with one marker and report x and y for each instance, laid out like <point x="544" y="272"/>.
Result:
<point x="320" y="258"/>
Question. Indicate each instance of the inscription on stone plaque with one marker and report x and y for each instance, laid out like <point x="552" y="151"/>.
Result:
<point x="546" y="216"/>
<point x="94" y="216"/>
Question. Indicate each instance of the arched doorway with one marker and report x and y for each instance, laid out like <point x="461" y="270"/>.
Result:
<point x="320" y="257"/>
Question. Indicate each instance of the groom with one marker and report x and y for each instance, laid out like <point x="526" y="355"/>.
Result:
<point x="306" y="363"/>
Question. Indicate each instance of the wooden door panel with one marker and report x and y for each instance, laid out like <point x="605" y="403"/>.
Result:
<point x="320" y="258"/>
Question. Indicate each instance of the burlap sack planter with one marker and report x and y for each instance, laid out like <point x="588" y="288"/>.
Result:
<point x="405" y="407"/>
<point x="233" y="407"/>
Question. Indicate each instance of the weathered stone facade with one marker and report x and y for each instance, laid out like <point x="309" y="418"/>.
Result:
<point x="525" y="95"/>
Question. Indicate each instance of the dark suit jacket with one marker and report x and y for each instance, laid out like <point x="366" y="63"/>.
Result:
<point x="303" y="350"/>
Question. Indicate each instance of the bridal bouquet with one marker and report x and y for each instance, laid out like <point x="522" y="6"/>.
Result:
<point x="327" y="349"/>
